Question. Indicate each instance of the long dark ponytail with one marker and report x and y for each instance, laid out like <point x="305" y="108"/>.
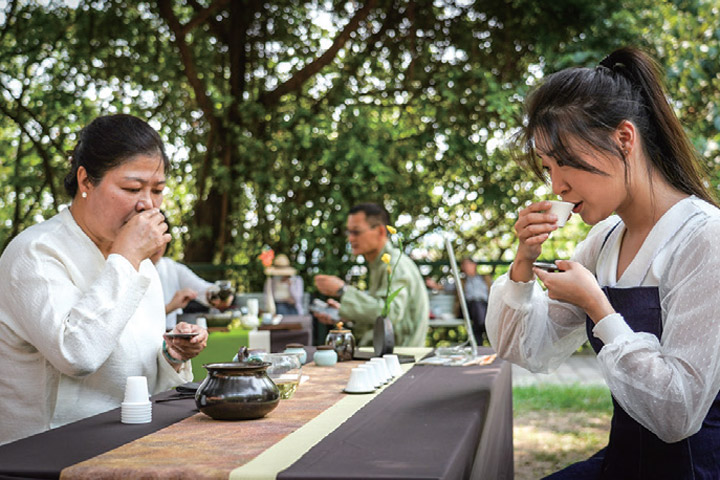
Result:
<point x="589" y="103"/>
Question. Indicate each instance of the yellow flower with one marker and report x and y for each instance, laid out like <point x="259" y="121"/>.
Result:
<point x="391" y="229"/>
<point x="386" y="258"/>
<point x="389" y="269"/>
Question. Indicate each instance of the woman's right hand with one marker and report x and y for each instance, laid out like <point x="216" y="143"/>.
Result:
<point x="533" y="227"/>
<point x="141" y="236"/>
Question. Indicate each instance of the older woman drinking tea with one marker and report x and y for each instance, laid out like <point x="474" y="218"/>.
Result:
<point x="81" y="307"/>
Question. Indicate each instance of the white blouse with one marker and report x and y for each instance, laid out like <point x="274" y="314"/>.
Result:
<point x="666" y="385"/>
<point x="73" y="326"/>
<point x="175" y="276"/>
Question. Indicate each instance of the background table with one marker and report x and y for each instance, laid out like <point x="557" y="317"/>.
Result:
<point x="223" y="344"/>
<point x="433" y="422"/>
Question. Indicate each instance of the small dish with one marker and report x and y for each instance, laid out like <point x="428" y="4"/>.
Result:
<point x="181" y="335"/>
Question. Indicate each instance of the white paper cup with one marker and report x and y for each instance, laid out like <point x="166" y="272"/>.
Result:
<point x="371" y="374"/>
<point x="136" y="390"/>
<point x="358" y="382"/>
<point x="393" y="363"/>
<point x="253" y="306"/>
<point x="563" y="210"/>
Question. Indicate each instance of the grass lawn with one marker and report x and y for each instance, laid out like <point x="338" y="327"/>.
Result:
<point x="556" y="425"/>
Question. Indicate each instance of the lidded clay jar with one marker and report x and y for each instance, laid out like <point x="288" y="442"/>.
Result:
<point x="325" y="356"/>
<point x="297" y="348"/>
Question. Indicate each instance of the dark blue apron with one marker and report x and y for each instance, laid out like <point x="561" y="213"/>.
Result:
<point x="633" y="451"/>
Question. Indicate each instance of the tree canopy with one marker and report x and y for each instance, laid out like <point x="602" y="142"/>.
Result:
<point x="279" y="116"/>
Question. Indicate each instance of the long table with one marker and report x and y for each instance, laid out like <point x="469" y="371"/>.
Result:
<point x="432" y="422"/>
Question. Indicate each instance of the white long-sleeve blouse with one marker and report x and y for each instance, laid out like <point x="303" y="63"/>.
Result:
<point x="73" y="326"/>
<point x="666" y="385"/>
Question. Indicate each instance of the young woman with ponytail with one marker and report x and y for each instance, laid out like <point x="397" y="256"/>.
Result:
<point x="642" y="285"/>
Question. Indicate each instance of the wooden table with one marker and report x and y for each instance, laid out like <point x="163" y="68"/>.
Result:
<point x="432" y="422"/>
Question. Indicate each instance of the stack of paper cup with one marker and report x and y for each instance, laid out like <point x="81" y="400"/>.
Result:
<point x="359" y="382"/>
<point x="136" y="407"/>
<point x="393" y="364"/>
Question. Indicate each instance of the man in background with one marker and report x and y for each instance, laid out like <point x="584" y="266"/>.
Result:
<point x="409" y="310"/>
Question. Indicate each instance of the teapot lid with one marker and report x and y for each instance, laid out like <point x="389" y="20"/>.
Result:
<point x="325" y="347"/>
<point x="294" y="345"/>
<point x="339" y="328"/>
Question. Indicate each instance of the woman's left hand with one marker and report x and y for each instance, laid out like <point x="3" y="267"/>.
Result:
<point x="187" y="348"/>
<point x="575" y="284"/>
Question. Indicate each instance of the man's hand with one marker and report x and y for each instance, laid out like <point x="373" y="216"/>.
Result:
<point x="328" y="285"/>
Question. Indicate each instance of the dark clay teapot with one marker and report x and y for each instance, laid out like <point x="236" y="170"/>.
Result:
<point x="237" y="390"/>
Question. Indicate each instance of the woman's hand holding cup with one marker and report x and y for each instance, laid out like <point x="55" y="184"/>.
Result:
<point x="533" y="227"/>
<point x="141" y="236"/>
<point x="575" y="284"/>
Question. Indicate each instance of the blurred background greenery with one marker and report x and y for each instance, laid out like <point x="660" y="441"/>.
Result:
<point x="279" y="116"/>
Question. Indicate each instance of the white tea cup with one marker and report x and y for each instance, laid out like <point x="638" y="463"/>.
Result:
<point x="383" y="368"/>
<point x="393" y="363"/>
<point x="374" y="379"/>
<point x="378" y="374"/>
<point x="562" y="210"/>
<point x="136" y="390"/>
<point x="358" y="382"/>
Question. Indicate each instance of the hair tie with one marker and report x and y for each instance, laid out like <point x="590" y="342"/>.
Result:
<point x="606" y="62"/>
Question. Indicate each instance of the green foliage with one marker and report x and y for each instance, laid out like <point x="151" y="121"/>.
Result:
<point x="280" y="116"/>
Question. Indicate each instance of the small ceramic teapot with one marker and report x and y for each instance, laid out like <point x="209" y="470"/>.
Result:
<point x="342" y="341"/>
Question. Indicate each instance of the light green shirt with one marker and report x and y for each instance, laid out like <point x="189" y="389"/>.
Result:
<point x="409" y="311"/>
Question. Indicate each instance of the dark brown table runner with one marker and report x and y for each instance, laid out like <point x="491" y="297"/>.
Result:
<point x="427" y="425"/>
<point x="46" y="454"/>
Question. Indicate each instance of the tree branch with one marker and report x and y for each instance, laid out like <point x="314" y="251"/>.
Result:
<point x="44" y="155"/>
<point x="295" y="82"/>
<point x="188" y="63"/>
<point x="203" y="14"/>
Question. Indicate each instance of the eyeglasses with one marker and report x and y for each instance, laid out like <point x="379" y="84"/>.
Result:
<point x="357" y="233"/>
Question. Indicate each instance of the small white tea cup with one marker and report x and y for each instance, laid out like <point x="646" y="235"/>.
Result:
<point x="374" y="379"/>
<point x="359" y="381"/>
<point x="393" y="363"/>
<point x="562" y="210"/>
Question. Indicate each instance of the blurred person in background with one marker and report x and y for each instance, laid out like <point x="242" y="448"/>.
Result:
<point x="475" y="288"/>
<point x="283" y="287"/>
<point x="181" y="286"/>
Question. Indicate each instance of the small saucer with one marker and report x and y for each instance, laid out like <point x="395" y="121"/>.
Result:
<point x="358" y="393"/>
